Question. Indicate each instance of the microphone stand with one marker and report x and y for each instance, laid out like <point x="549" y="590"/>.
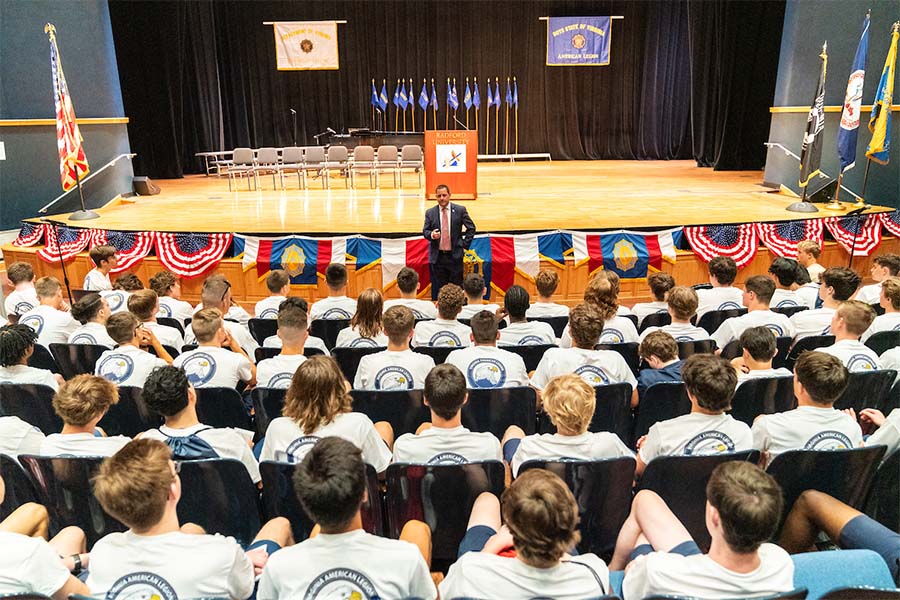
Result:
<point x="294" y="118"/>
<point x="857" y="225"/>
<point x="62" y="263"/>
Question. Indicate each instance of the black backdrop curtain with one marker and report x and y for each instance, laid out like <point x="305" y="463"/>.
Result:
<point x="688" y="79"/>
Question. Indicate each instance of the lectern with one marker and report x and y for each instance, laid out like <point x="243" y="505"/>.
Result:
<point x="451" y="157"/>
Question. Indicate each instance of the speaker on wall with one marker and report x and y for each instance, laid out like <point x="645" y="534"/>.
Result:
<point x="144" y="187"/>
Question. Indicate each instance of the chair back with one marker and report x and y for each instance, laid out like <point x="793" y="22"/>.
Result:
<point x="242" y="156"/>
<point x="883" y="341"/>
<point x="292" y="156"/>
<point x="19" y="487"/>
<point x="64" y="488"/>
<point x="337" y="154"/>
<point x="612" y="412"/>
<point x="762" y="396"/>
<point x="843" y="575"/>
<point x="280" y="499"/>
<point x="808" y="343"/>
<point x="661" y="402"/>
<point x="867" y="389"/>
<point x="602" y="489"/>
<point x="732" y="349"/>
<point x="261" y="329"/>
<point x="883" y="505"/>
<point x="438" y="353"/>
<point x="75" y="359"/>
<point x="328" y="329"/>
<point x="878" y="308"/>
<point x="130" y="415"/>
<point x="628" y="350"/>
<point x="403" y="409"/>
<point x="170" y="322"/>
<point x="411" y="153"/>
<point x="218" y="495"/>
<point x="790" y="311"/>
<point x="657" y="319"/>
<point x="387" y="154"/>
<point x="440" y="495"/>
<point x="42" y="359"/>
<point x="681" y="482"/>
<point x="267" y="405"/>
<point x="531" y="354"/>
<point x="690" y="347"/>
<point x="711" y="320"/>
<point x="314" y="156"/>
<point x="557" y="323"/>
<point x="32" y="403"/>
<point x="496" y="409"/>
<point x="348" y="358"/>
<point x="222" y="407"/>
<point x="633" y="318"/>
<point x="860" y="593"/>
<point x="783" y="347"/>
<point x="267" y="156"/>
<point x="363" y="154"/>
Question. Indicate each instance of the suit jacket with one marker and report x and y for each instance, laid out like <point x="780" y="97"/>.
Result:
<point x="459" y="241"/>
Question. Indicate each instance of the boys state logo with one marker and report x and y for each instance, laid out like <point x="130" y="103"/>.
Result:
<point x="281" y="381"/>
<point x="269" y="313"/>
<point x="708" y="442"/>
<point x="445" y="338"/>
<point x="116" y="368"/>
<point x="336" y="313"/>
<point x="447" y="458"/>
<point x="531" y="340"/>
<point x="36" y="322"/>
<point x="343" y="583"/>
<point x="486" y="373"/>
<point x="200" y="368"/>
<point x="828" y="440"/>
<point x="164" y="311"/>
<point x="393" y="378"/>
<point x="363" y="342"/>
<point x="23" y="307"/>
<point x="612" y="336"/>
<point x="729" y="305"/>
<point x="776" y="329"/>
<point x="297" y="449"/>
<point x="115" y="300"/>
<point x="861" y="362"/>
<point x="293" y="261"/>
<point x="83" y="338"/>
<point x="592" y="374"/>
<point x="141" y="586"/>
<point x="450" y="158"/>
<point x="625" y="255"/>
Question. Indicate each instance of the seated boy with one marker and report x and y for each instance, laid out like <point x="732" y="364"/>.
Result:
<point x="484" y="364"/>
<point x="144" y="304"/>
<point x="838" y="284"/>
<point x="211" y="364"/>
<point x="273" y="341"/>
<point x="521" y="331"/>
<point x="819" y="380"/>
<point x="808" y="253"/>
<point x="723" y="295"/>
<point x="168" y="288"/>
<point x="81" y="402"/>
<point x="104" y="259"/>
<point x="276" y="372"/>
<point x="331" y="486"/>
<point x="848" y="323"/>
<point x="540" y="527"/>
<point x="570" y="403"/>
<point x="129" y="364"/>
<point x="408" y="284"/>
<point x="890" y="302"/>
<point x="784" y="272"/>
<point x="710" y="382"/>
<point x="659" y="284"/>
<point x="474" y="288"/>
<point x="743" y="508"/>
<point x="50" y="319"/>
<point x="682" y="305"/>
<point x="337" y="305"/>
<point x="278" y="283"/>
<point x="16" y="347"/>
<point x="23" y="298"/>
<point x="398" y="367"/>
<point x="445" y="330"/>
<point x="140" y="486"/>
<point x="216" y="293"/>
<point x="659" y="350"/>
<point x="546" y="282"/>
<point x="758" y="348"/>
<point x="758" y="292"/>
<point x="445" y="440"/>
<point x="884" y="266"/>
<point x="125" y="285"/>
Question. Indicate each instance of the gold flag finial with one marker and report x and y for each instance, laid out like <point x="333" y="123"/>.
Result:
<point x="50" y="29"/>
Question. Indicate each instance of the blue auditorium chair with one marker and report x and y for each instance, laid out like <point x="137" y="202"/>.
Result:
<point x="76" y="359"/>
<point x="495" y="409"/>
<point x="267" y="405"/>
<point x="661" y="402"/>
<point x="19" y="487"/>
<point x="762" y="396"/>
<point x="348" y="358"/>
<point x="403" y="409"/>
<point x="612" y="412"/>
<point x="557" y="323"/>
<point x="32" y="403"/>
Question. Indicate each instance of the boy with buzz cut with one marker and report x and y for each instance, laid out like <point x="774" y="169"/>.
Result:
<point x="546" y="282"/>
<point x="758" y="348"/>
<point x="848" y="323"/>
<point x="279" y="284"/>
<point x="408" y="284"/>
<point x="484" y="364"/>
<point x="50" y="319"/>
<point x="104" y="259"/>
<point x="445" y="330"/>
<point x="570" y="403"/>
<point x="819" y="380"/>
<point x="884" y="266"/>
<point x="710" y="382"/>
<point x="474" y="288"/>
<point x="521" y="331"/>
<point x="23" y="298"/>
<point x="344" y="560"/>
<point x="398" y="367"/>
<point x="682" y="306"/>
<point x="723" y="295"/>
<point x="139" y="485"/>
<point x="277" y="372"/>
<point x="743" y="509"/>
<point x="337" y="305"/>
<point x="758" y="291"/>
<point x="659" y="350"/>
<point x="129" y="364"/>
<point x="659" y="284"/>
<point x="211" y="364"/>
<point x="445" y="441"/>
<point x="144" y="304"/>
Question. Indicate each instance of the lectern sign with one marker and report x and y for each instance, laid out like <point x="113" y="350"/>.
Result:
<point x="451" y="157"/>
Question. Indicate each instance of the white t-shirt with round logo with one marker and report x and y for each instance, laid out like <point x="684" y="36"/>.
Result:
<point x="696" y="434"/>
<point x="29" y="565"/>
<point x="547" y="309"/>
<point x="442" y="332"/>
<point x="617" y="330"/>
<point x="92" y="333"/>
<point x="51" y="326"/>
<point x="117" y="300"/>
<point x="489" y="367"/>
<point x="349" y="337"/>
<point x="333" y="307"/>
<point x="808" y="323"/>
<point x="554" y="446"/>
<point x="26" y="374"/>
<point x="21" y="300"/>
<point x="786" y="299"/>
<point x="731" y="329"/>
<point x="227" y="443"/>
<point x="96" y="281"/>
<point x="682" y="332"/>
<point x="527" y="334"/>
<point x="355" y="564"/>
<point x="173" y="308"/>
<point x="167" y="336"/>
<point x="277" y="372"/>
<point x="82" y="444"/>
<point x="805" y="428"/>
<point x="393" y="370"/>
<point x="719" y="298"/>
<point x="597" y="367"/>
<point x="443" y="446"/>
<point x="267" y="308"/>
<point x="855" y="355"/>
<point x="470" y="310"/>
<point x="422" y="309"/>
<point x="127" y="365"/>
<point x="885" y="322"/>
<point x="237" y="331"/>
<point x="210" y="366"/>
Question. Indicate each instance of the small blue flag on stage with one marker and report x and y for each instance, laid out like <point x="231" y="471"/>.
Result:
<point x="849" y="128"/>
<point x="396" y="100"/>
<point x="578" y="41"/>
<point x="490" y="97"/>
<point x="434" y="100"/>
<point x="452" y="99"/>
<point x="423" y="96"/>
<point x="374" y="94"/>
<point x="515" y="94"/>
<point x="497" y="95"/>
<point x="509" y="99"/>
<point x="382" y="97"/>
<point x="476" y="98"/>
<point x="467" y="99"/>
<point x="404" y="100"/>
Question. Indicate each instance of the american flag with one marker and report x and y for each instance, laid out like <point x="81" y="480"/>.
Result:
<point x="782" y="238"/>
<point x="891" y="222"/>
<point x="30" y="234"/>
<point x="72" y="160"/>
<point x="131" y="246"/>
<point x="866" y="229"/>
<point x="191" y="254"/>
<point x="739" y="242"/>
<point x="70" y="242"/>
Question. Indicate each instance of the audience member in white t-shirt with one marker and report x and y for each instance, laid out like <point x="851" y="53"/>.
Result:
<point x="484" y="364"/>
<point x="398" y="367"/>
<point x="105" y="260"/>
<point x="723" y="295"/>
<point x="16" y="347"/>
<point x="331" y="486"/>
<point x="521" y="331"/>
<point x="784" y="273"/>
<point x="92" y="311"/>
<point x="144" y="304"/>
<point x="602" y="292"/>
<point x="808" y="253"/>
<point x="570" y="403"/>
<point x="659" y="284"/>
<point x="848" y="322"/>
<point x="278" y="283"/>
<point x="317" y="405"/>
<point x="50" y="319"/>
<point x="366" y="330"/>
<point x="23" y="298"/>
<point x="273" y="341"/>
<point x="757" y="294"/>
<point x="163" y="557"/>
<point x="445" y="441"/>
<point x="743" y="509"/>
<point x="168" y="287"/>
<point x="890" y="359"/>
<point x="888" y="432"/>
<point x="474" y="288"/>
<point x="216" y="293"/>
<point x="18" y="437"/>
<point x="445" y="330"/>
<point x="408" y="284"/>
<point x="124" y="286"/>
<point x="819" y="380"/>
<point x="81" y="402"/>
<point x="129" y="364"/>
<point x="682" y="305"/>
<point x="337" y="305"/>
<point x="540" y="530"/>
<point x="219" y="360"/>
<point x="546" y="282"/>
<point x="838" y="285"/>
<point x="884" y="266"/>
<point x="710" y="382"/>
<point x="890" y="302"/>
<point x="277" y="372"/>
<point x="31" y="565"/>
<point x="758" y="348"/>
<point x="169" y="393"/>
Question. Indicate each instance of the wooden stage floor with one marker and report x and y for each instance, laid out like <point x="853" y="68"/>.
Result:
<point x="512" y="197"/>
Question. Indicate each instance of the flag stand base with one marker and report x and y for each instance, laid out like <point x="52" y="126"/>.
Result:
<point x="835" y="206"/>
<point x="804" y="207"/>
<point x="83" y="215"/>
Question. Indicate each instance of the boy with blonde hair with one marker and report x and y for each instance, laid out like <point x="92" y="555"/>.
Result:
<point x="144" y="304"/>
<point x="278" y="283"/>
<point x="81" y="403"/>
<point x="50" y="319"/>
<point x="212" y="365"/>
<point x="848" y="323"/>
<point x="808" y="256"/>
<point x="681" y="302"/>
<point x="546" y="282"/>
<point x="129" y="364"/>
<point x="890" y="302"/>
<point x="445" y="330"/>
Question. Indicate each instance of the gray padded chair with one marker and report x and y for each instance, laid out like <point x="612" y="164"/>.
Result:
<point x="387" y="159"/>
<point x="411" y="157"/>
<point x="336" y="159"/>
<point x="268" y="163"/>
<point x="292" y="162"/>
<point x="242" y="165"/>
<point x="314" y="160"/>
<point x="363" y="160"/>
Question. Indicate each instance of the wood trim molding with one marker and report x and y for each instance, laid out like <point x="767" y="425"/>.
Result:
<point x="41" y="122"/>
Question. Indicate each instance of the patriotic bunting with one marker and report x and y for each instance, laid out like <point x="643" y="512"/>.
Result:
<point x="191" y="254"/>
<point x="866" y="229"/>
<point x="29" y="235"/>
<point x="631" y="254"/>
<point x="782" y="238"/>
<point x="131" y="246"/>
<point x="891" y="222"/>
<point x="303" y="258"/>
<point x="70" y="242"/>
<point x="736" y="241"/>
<point x="409" y="252"/>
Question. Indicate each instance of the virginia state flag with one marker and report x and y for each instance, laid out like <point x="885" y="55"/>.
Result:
<point x="630" y="254"/>
<point x="847" y="134"/>
<point x="467" y="98"/>
<point x="404" y="99"/>
<point x="879" y="148"/>
<point x="423" y="96"/>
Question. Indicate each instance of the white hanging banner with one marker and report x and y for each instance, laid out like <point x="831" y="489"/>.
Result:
<point x="306" y="45"/>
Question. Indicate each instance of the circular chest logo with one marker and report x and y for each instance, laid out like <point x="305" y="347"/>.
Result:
<point x="141" y="586"/>
<point x="36" y="322"/>
<point x="363" y="342"/>
<point x="611" y="336"/>
<point x="269" y="313"/>
<point x="23" y="307"/>
<point x="280" y="381"/>
<point x="447" y="458"/>
<point x="445" y="338"/>
<point x="861" y="362"/>
<point x="335" y="313"/>
<point x="116" y="367"/>
<point x="200" y="368"/>
<point x="83" y="338"/>
<point x="393" y="378"/>
<point x="341" y="583"/>
<point x="592" y="374"/>
<point x="729" y="305"/>
<point x="828" y="440"/>
<point x="164" y="311"/>
<point x="116" y="300"/>
<point x="776" y="329"/>
<point x="486" y="373"/>
<point x="531" y="340"/>
<point x="708" y="442"/>
<point x="297" y="449"/>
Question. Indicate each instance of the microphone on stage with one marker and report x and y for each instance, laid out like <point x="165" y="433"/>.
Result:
<point x="859" y="210"/>
<point x="460" y="123"/>
<point x="331" y="131"/>
<point x="293" y="112"/>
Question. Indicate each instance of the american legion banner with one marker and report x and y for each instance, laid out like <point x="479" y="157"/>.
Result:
<point x="306" y="45"/>
<point x="578" y="41"/>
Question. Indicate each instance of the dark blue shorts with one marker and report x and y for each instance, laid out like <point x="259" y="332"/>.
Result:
<point x="509" y="449"/>
<point x="863" y="532"/>
<point x="688" y="548"/>
<point x="475" y="539"/>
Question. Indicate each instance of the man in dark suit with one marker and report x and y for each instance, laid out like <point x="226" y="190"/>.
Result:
<point x="444" y="229"/>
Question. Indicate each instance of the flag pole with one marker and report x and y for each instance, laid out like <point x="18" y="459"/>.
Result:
<point x="467" y="108"/>
<point x="413" y="106"/>
<point x="506" y="133"/>
<point x="861" y="201"/>
<point x="457" y="104"/>
<point x="476" y="114"/>
<point x="434" y="107"/>
<point x="497" y="118"/>
<point x="447" y="116"/>
<point x="517" y="116"/>
<point x="373" y="109"/>
<point x="397" y="107"/>
<point x="487" y="127"/>
<point x="384" y="113"/>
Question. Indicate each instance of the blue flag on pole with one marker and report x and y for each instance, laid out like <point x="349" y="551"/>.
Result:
<point x="879" y="148"/>
<point x="374" y="94"/>
<point x="397" y="95"/>
<point x="849" y="129"/>
<point x="383" y="97"/>
<point x="509" y="99"/>
<point x="423" y="96"/>
<point x="490" y="96"/>
<point x="452" y="100"/>
<point x="476" y="98"/>
<point x="497" y="95"/>
<point x="515" y="93"/>
<point x="404" y="99"/>
<point x="434" y="100"/>
<point x="467" y="99"/>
